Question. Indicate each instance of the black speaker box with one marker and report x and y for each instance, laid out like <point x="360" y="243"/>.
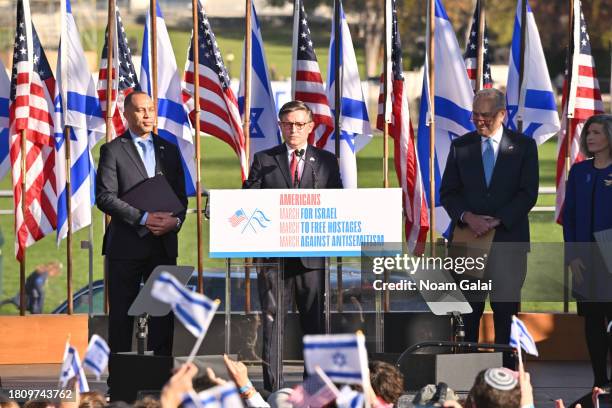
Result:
<point x="456" y="370"/>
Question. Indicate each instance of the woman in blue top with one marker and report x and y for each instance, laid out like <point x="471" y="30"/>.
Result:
<point x="588" y="209"/>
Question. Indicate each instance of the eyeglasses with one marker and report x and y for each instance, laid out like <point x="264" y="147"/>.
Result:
<point x="484" y="116"/>
<point x="290" y="125"/>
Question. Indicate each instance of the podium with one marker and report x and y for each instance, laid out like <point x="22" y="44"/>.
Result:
<point x="290" y="223"/>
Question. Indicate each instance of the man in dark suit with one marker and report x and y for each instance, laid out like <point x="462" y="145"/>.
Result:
<point x="293" y="164"/>
<point x="491" y="182"/>
<point x="135" y="241"/>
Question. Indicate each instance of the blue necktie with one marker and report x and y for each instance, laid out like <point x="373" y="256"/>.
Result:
<point x="488" y="160"/>
<point x="148" y="159"/>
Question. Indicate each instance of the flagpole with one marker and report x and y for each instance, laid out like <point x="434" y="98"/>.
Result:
<point x="153" y="41"/>
<point x="480" y="45"/>
<point x="337" y="130"/>
<point x="248" y="57"/>
<point x="22" y="262"/>
<point x="385" y="100"/>
<point x="196" y="98"/>
<point x="432" y="128"/>
<point x="568" y="133"/>
<point x="386" y="118"/>
<point x="69" y="220"/>
<point x="248" y="42"/>
<point x="110" y="77"/>
<point x="521" y="100"/>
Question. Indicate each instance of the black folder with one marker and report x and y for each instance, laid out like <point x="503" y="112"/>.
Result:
<point x="152" y="195"/>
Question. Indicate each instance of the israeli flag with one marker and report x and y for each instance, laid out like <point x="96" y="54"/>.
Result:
<point x="521" y="338"/>
<point x="263" y="127"/>
<point x="535" y="102"/>
<point x="453" y="109"/>
<point x="172" y="119"/>
<point x="355" y="130"/>
<point x="194" y="310"/>
<point x="5" y="90"/>
<point x="76" y="106"/>
<point x="350" y="398"/>
<point x="71" y="367"/>
<point x="221" y="396"/>
<point x="96" y="356"/>
<point x="342" y="357"/>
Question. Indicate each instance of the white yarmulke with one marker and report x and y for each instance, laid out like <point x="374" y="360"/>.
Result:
<point x="500" y="378"/>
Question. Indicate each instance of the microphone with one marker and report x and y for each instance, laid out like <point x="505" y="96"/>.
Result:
<point x="314" y="172"/>
<point x="299" y="154"/>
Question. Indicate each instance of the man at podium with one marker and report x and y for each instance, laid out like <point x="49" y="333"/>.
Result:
<point x="490" y="184"/>
<point x="137" y="241"/>
<point x="293" y="164"/>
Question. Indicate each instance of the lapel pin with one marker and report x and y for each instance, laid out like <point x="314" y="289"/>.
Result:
<point x="511" y="147"/>
<point x="312" y="159"/>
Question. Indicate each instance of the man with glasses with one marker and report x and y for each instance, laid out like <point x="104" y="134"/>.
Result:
<point x="293" y="164"/>
<point x="491" y="183"/>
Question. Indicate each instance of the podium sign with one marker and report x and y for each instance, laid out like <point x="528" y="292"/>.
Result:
<point x="296" y="223"/>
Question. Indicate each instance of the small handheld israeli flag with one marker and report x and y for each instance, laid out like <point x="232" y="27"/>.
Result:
<point x="71" y="367"/>
<point x="342" y="357"/>
<point x="350" y="398"/>
<point x="96" y="356"/>
<point x="221" y="396"/>
<point x="519" y="335"/>
<point x="194" y="310"/>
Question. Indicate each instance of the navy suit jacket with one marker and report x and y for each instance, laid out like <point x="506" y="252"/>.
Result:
<point x="120" y="168"/>
<point x="270" y="169"/>
<point x="513" y="189"/>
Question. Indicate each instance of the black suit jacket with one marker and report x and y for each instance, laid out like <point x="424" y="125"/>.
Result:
<point x="270" y="169"/>
<point x="121" y="168"/>
<point x="513" y="190"/>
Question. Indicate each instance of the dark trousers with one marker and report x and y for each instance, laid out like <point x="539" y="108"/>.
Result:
<point x="596" y="318"/>
<point x="307" y="286"/>
<point x="506" y="268"/>
<point x="124" y="278"/>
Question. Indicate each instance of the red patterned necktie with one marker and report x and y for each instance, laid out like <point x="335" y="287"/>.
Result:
<point x="293" y="169"/>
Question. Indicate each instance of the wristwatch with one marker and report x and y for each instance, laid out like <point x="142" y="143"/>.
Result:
<point x="178" y="224"/>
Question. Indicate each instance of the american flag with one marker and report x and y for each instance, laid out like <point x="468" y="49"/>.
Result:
<point x="32" y="90"/>
<point x="405" y="156"/>
<point x="314" y="392"/>
<point x="471" y="52"/>
<point x="584" y="100"/>
<point x="127" y="80"/>
<point x="307" y="83"/>
<point x="220" y="116"/>
<point x="238" y="217"/>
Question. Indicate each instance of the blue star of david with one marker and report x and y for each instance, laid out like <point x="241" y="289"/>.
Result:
<point x="255" y="130"/>
<point x="339" y="359"/>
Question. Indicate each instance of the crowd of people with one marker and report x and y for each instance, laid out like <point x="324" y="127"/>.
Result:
<point x="493" y="388"/>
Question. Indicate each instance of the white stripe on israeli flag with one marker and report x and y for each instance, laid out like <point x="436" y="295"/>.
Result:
<point x="520" y="335"/>
<point x="342" y="357"/>
<point x="96" y="356"/>
<point x="194" y="310"/>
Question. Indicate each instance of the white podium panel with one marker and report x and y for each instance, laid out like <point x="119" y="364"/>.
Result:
<point x="296" y="223"/>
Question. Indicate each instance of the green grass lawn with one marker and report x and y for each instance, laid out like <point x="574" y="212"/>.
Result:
<point x="220" y="171"/>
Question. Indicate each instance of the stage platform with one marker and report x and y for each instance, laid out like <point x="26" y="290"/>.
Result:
<point x="569" y="380"/>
